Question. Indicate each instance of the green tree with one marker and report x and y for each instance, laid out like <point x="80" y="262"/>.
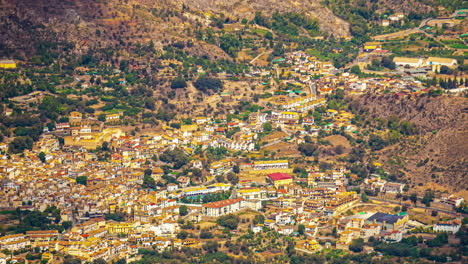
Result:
<point x="258" y="219"/>
<point x="211" y="246"/>
<point x="387" y="62"/>
<point x="176" y="156"/>
<point x="364" y="198"/>
<point x="67" y="224"/>
<point x="428" y="198"/>
<point x="230" y="221"/>
<point x="207" y="84"/>
<point x="178" y="83"/>
<point x="182" y="234"/>
<point x="205" y="234"/>
<point x="357" y="245"/>
<point x="267" y="127"/>
<point x="232" y="178"/>
<point x="183" y="210"/>
<point x="355" y="70"/>
<point x="236" y="169"/>
<point x="308" y="149"/>
<point x="278" y="49"/>
<point x="99" y="261"/>
<point x="42" y="157"/>
<point x="102" y="117"/>
<point x="148" y="182"/>
<point x="19" y="144"/>
<point x="82" y="180"/>
<point x="301" y="229"/>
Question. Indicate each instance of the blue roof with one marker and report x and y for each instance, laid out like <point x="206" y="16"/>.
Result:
<point x="388" y="218"/>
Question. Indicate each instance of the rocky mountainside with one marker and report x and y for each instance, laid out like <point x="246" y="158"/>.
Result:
<point x="246" y="9"/>
<point x="86" y="23"/>
<point x="437" y="153"/>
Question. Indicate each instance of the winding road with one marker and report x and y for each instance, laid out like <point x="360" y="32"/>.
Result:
<point x="412" y="30"/>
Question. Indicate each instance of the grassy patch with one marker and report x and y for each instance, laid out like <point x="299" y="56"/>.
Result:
<point x="259" y="31"/>
<point x="459" y="46"/>
<point x="317" y="54"/>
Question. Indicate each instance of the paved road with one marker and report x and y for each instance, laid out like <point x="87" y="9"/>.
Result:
<point x="289" y="133"/>
<point x="261" y="54"/>
<point x="412" y="30"/>
<point x="272" y="143"/>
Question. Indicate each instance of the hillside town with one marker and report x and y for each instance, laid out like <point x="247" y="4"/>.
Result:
<point x="107" y="193"/>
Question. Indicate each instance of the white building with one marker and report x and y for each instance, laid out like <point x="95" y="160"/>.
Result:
<point x="219" y="208"/>
<point x="257" y="228"/>
<point x="270" y="164"/>
<point x="453" y="200"/>
<point x="448" y="226"/>
<point x="411" y="62"/>
<point x="393" y="187"/>
<point x="284" y="219"/>
<point x="253" y="204"/>
<point x="449" y="62"/>
<point x="286" y="230"/>
<point x="14" y="242"/>
<point x="392" y="236"/>
<point x="172" y="187"/>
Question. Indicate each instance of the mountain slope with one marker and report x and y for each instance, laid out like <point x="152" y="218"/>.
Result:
<point x="86" y="23"/>
<point x="246" y="9"/>
<point x="437" y="153"/>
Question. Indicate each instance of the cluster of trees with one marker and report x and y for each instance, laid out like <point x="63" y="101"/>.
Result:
<point x="428" y="197"/>
<point x="82" y="180"/>
<point x="148" y="180"/>
<point x="116" y="216"/>
<point x="385" y="62"/>
<point x="208" y="198"/>
<point x="397" y="128"/>
<point x="308" y="149"/>
<point x="27" y="129"/>
<point x="229" y="221"/>
<point x="214" y="154"/>
<point x="357" y="14"/>
<point x="452" y="83"/>
<point x="178" y="83"/>
<point x="37" y="220"/>
<point x="357" y="245"/>
<point x="231" y="44"/>
<point x="207" y="84"/>
<point x="177" y="157"/>
<point x="408" y="247"/>
<point x="207" y="254"/>
<point x="288" y="23"/>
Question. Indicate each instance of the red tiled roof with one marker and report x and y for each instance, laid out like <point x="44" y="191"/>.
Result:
<point x="279" y="176"/>
<point x="222" y="203"/>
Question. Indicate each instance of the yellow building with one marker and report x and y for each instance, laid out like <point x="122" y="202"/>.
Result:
<point x="249" y="193"/>
<point x="311" y="245"/>
<point x="92" y="140"/>
<point x="7" y="64"/>
<point x="340" y="202"/>
<point x="120" y="227"/>
<point x="279" y="179"/>
<point x="112" y="117"/>
<point x="188" y="128"/>
<point x="369" y="46"/>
